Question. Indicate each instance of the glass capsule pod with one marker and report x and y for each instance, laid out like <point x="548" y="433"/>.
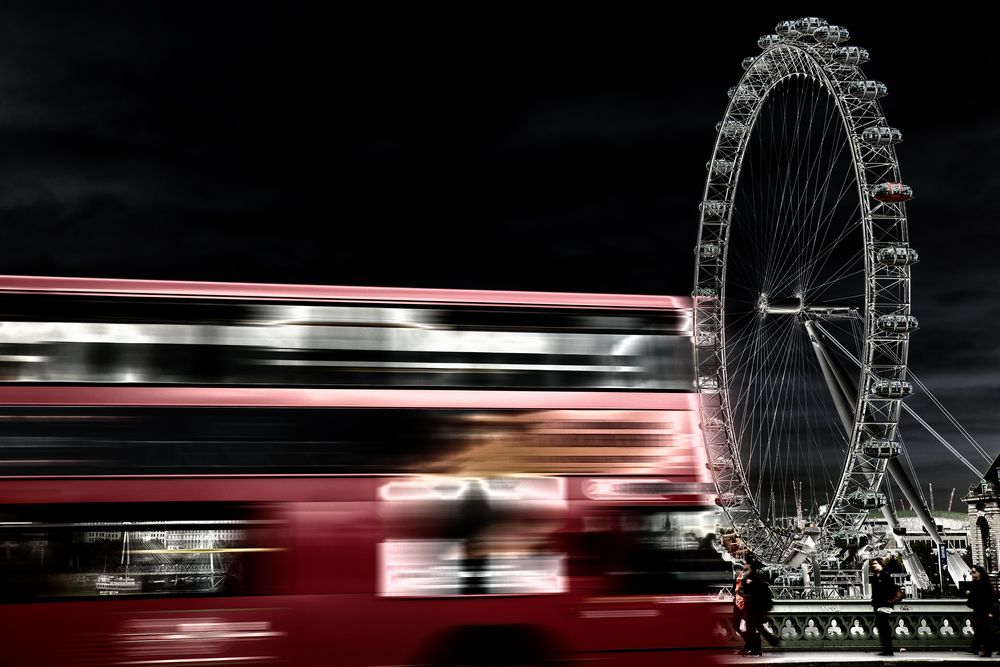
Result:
<point x="731" y="129"/>
<point x="866" y="500"/>
<point x="720" y="167"/>
<point x="730" y="500"/>
<point x="881" y="449"/>
<point x="709" y="250"/>
<point x="848" y="539"/>
<point x="767" y="41"/>
<point x="706" y="338"/>
<point x="850" y="55"/>
<point x="891" y="388"/>
<point x="714" y="207"/>
<point x="881" y="136"/>
<point x="897" y="255"/>
<point x="786" y="29"/>
<point x="867" y="90"/>
<point x="708" y="383"/>
<point x="809" y="24"/>
<point x="831" y="34"/>
<point x="897" y="323"/>
<point x="892" y="192"/>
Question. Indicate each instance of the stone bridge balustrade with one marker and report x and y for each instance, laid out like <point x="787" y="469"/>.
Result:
<point x="816" y="625"/>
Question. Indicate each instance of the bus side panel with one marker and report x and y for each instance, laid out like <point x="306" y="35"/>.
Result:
<point x="333" y="570"/>
<point x="640" y="630"/>
<point x="148" y="632"/>
<point x="343" y="618"/>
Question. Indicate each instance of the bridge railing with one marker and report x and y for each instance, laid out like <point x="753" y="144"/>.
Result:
<point x="839" y="624"/>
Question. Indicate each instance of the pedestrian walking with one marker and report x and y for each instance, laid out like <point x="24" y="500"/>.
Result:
<point x="982" y="600"/>
<point x="751" y="603"/>
<point x="885" y="594"/>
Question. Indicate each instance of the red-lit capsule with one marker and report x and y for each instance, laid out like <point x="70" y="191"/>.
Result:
<point x="892" y="192"/>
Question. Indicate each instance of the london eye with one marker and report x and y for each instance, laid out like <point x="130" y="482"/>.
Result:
<point x="802" y="297"/>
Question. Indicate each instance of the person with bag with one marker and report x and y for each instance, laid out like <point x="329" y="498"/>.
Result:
<point x="885" y="594"/>
<point x="739" y="604"/>
<point x="982" y="600"/>
<point x="751" y="602"/>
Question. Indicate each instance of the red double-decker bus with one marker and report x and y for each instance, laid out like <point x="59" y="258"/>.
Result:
<point x="216" y="474"/>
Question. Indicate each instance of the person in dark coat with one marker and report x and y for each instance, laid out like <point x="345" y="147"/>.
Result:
<point x="883" y="598"/>
<point x="751" y="603"/>
<point x="982" y="601"/>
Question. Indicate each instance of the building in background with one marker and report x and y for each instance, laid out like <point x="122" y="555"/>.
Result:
<point x="984" y="518"/>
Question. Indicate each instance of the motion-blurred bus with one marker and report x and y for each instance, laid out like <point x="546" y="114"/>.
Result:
<point x="222" y="474"/>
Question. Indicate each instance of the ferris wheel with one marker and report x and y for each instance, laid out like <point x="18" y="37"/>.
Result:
<point x="802" y="296"/>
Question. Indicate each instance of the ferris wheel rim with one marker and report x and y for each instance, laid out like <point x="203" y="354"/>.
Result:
<point x="784" y="57"/>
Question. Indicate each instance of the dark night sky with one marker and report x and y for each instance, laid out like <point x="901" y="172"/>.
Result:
<point x="293" y="142"/>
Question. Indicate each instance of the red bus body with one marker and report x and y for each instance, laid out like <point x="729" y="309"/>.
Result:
<point x="315" y="583"/>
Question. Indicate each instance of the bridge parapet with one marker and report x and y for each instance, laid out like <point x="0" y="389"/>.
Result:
<point x="817" y="625"/>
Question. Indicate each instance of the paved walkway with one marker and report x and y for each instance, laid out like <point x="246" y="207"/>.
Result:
<point x="841" y="658"/>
